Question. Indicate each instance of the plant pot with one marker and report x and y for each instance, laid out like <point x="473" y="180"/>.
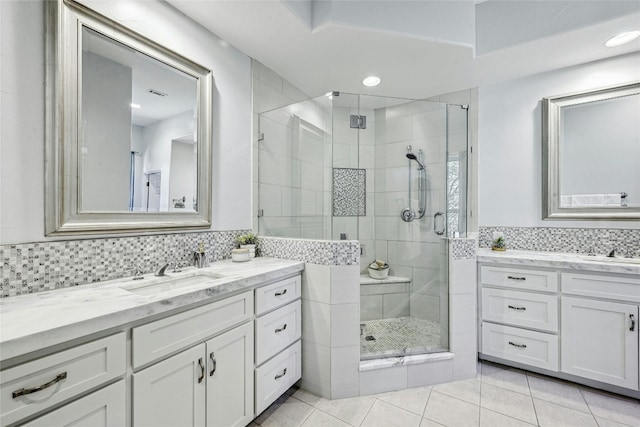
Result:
<point x="493" y="248"/>
<point x="252" y="250"/>
<point x="378" y="274"/>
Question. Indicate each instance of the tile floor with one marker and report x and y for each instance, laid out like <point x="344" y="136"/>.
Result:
<point x="498" y="396"/>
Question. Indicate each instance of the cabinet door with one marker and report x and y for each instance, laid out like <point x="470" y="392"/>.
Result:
<point x="600" y="341"/>
<point x="172" y="392"/>
<point x="230" y="378"/>
<point x="102" y="408"/>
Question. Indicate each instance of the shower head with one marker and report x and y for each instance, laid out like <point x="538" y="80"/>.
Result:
<point x="413" y="157"/>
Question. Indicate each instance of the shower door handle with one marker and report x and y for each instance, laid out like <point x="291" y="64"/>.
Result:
<point x="435" y="224"/>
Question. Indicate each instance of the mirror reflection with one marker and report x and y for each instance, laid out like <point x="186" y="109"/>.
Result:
<point x="138" y="131"/>
<point x="600" y="153"/>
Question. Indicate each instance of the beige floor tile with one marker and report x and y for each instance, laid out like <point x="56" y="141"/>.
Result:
<point x="413" y="399"/>
<point x="552" y="415"/>
<point x="508" y="403"/>
<point x="351" y="411"/>
<point x="556" y="391"/>
<point x="490" y="418"/>
<point x="467" y="390"/>
<point x="307" y="397"/>
<point x="383" y="414"/>
<point x="286" y="412"/>
<point x="613" y="407"/>
<point x="322" y="419"/>
<point x="603" y="422"/>
<point x="429" y="423"/>
<point x="451" y="412"/>
<point x="505" y="377"/>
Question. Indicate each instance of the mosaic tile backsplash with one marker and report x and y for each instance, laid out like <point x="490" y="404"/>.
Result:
<point x="567" y="240"/>
<point x="35" y="267"/>
<point x="463" y="249"/>
<point x="323" y="252"/>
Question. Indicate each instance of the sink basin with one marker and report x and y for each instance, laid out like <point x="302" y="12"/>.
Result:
<point x="169" y="284"/>
<point x="612" y="259"/>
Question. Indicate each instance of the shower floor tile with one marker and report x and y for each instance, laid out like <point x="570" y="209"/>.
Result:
<point x="399" y="336"/>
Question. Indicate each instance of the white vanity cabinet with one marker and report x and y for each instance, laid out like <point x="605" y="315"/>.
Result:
<point x="519" y="315"/>
<point x="572" y="323"/>
<point x="210" y="383"/>
<point x="278" y="333"/>
<point x="40" y="384"/>
<point x="600" y="337"/>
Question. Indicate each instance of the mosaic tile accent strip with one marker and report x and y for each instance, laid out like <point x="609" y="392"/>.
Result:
<point x="349" y="189"/>
<point x="323" y="252"/>
<point x="463" y="249"/>
<point x="35" y="267"/>
<point x="566" y="240"/>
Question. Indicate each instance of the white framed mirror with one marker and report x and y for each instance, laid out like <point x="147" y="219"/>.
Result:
<point x="128" y="129"/>
<point x="591" y="154"/>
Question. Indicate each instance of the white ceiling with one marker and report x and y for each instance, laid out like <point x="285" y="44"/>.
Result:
<point x="419" y="48"/>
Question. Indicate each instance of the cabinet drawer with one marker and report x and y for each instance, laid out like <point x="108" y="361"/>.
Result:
<point x="625" y="289"/>
<point x="520" y="345"/>
<point x="67" y="374"/>
<point x="162" y="337"/>
<point x="518" y="308"/>
<point x="519" y="278"/>
<point x="277" y="294"/>
<point x="276" y="376"/>
<point x="104" y="407"/>
<point x="277" y="330"/>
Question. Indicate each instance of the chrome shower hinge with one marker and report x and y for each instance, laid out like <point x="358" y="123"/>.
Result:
<point x="358" y="122"/>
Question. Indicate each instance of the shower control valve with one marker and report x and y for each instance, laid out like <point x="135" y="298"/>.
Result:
<point x="408" y="214"/>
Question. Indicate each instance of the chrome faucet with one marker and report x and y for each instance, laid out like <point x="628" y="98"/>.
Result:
<point x="612" y="254"/>
<point x="161" y="270"/>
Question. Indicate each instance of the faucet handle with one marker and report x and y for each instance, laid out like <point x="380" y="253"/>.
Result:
<point x="591" y="252"/>
<point x="137" y="271"/>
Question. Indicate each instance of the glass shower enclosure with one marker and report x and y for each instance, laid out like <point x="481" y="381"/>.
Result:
<point x="388" y="172"/>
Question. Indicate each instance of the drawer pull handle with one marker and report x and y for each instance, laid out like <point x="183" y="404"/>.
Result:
<point x="201" y="377"/>
<point x="516" y="278"/>
<point x="517" y="345"/>
<point x="633" y="322"/>
<point x="515" y="307"/>
<point x="281" y="329"/>
<point x="24" y="391"/>
<point x="277" y="377"/>
<point x="279" y="294"/>
<point x="214" y="363"/>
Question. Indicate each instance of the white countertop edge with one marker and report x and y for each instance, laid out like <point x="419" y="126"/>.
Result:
<point x="33" y="322"/>
<point x="555" y="260"/>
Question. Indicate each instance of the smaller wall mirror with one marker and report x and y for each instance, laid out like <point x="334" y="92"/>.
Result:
<point x="129" y="128"/>
<point x="591" y="154"/>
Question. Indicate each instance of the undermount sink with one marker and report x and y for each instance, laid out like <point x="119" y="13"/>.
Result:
<point x="612" y="259"/>
<point x="170" y="284"/>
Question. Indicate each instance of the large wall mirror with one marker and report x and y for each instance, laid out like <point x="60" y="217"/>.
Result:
<point x="591" y="154"/>
<point x="129" y="130"/>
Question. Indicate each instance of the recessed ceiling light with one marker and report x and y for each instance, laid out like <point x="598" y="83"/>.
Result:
<point x="135" y="106"/>
<point x="371" y="81"/>
<point x="622" y="38"/>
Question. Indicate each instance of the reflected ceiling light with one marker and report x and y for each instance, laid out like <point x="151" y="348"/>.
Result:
<point x="371" y="81"/>
<point x="135" y="106"/>
<point x="622" y="38"/>
<point x="329" y="95"/>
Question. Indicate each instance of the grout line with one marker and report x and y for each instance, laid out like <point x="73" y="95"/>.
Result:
<point x="533" y="403"/>
<point x="588" y="406"/>
<point x="368" y="411"/>
<point x="424" y="410"/>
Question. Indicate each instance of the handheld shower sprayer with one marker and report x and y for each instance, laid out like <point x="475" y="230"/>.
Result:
<point x="408" y="214"/>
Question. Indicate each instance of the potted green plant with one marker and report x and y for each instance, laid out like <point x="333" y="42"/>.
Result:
<point x="498" y="244"/>
<point x="248" y="241"/>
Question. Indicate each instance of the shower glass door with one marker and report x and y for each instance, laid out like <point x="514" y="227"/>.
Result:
<point x="402" y="153"/>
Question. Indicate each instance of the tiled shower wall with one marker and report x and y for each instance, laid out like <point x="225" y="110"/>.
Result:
<point x="568" y="240"/>
<point x="41" y="266"/>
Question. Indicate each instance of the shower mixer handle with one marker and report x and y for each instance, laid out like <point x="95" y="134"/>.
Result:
<point x="408" y="214"/>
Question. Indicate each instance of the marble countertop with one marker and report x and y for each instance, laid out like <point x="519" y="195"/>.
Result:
<point x="37" y="321"/>
<point x="560" y="260"/>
